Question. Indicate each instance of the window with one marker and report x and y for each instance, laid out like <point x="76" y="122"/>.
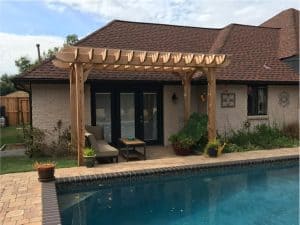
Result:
<point x="257" y="100"/>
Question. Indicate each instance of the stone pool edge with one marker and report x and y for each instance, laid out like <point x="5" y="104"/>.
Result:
<point x="50" y="208"/>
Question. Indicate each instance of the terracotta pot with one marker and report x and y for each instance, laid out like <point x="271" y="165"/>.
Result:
<point x="46" y="173"/>
<point x="179" y="150"/>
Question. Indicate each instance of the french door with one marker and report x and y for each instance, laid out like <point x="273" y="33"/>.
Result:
<point x="128" y="113"/>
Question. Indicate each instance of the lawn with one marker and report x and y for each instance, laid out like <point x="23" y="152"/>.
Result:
<point x="13" y="164"/>
<point x="11" y="135"/>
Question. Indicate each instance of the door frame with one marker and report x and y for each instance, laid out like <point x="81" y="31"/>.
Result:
<point x="115" y="88"/>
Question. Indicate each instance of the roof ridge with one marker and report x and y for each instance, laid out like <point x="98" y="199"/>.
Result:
<point x="165" y="24"/>
<point x="296" y="25"/>
<point x="254" y="26"/>
<point x="221" y="39"/>
<point x="94" y="32"/>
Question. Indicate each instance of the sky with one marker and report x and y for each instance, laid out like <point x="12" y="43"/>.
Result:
<point x="23" y="23"/>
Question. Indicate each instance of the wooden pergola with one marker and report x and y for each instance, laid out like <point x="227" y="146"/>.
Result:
<point x="81" y="60"/>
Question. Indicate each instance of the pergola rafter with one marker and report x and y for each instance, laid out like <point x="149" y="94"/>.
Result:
<point x="81" y="60"/>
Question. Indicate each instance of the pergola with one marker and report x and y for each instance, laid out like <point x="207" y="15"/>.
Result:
<point x="81" y="60"/>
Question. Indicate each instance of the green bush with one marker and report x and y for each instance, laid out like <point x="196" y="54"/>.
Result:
<point x="34" y="140"/>
<point x="260" y="137"/>
<point x="182" y="140"/>
<point x="88" y="152"/>
<point x="193" y="134"/>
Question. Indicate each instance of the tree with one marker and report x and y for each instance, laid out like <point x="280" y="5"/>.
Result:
<point x="23" y="64"/>
<point x="50" y="53"/>
<point x="6" y="85"/>
<point x="71" y="39"/>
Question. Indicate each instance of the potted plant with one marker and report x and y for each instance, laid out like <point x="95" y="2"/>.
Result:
<point x="45" y="171"/>
<point x="89" y="157"/>
<point x="182" y="144"/>
<point x="214" y="148"/>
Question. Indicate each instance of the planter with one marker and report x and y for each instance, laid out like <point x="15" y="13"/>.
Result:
<point x="89" y="161"/>
<point x="179" y="150"/>
<point x="212" y="152"/>
<point x="46" y="173"/>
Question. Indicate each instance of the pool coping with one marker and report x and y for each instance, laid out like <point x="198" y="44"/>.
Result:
<point x="50" y="209"/>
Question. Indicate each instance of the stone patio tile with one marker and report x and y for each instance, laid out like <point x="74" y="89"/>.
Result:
<point x="20" y="193"/>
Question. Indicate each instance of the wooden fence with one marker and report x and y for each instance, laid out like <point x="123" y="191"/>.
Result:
<point x="16" y="110"/>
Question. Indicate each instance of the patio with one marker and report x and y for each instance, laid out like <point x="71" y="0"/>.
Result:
<point x="20" y="193"/>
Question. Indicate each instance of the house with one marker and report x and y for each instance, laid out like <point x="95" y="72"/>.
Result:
<point x="259" y="86"/>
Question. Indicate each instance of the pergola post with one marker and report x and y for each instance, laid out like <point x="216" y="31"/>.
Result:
<point x="72" y="108"/>
<point x="186" y="82"/>
<point x="79" y="110"/>
<point x="211" y="101"/>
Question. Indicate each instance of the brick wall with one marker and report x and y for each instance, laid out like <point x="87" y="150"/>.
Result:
<point x="51" y="102"/>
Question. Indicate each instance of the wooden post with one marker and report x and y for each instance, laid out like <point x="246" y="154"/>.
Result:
<point x="73" y="108"/>
<point x="211" y="101"/>
<point x="186" y="82"/>
<point x="79" y="84"/>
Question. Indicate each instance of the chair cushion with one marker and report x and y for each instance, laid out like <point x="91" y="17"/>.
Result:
<point x="96" y="131"/>
<point x="104" y="149"/>
<point x="92" y="140"/>
<point x="107" y="153"/>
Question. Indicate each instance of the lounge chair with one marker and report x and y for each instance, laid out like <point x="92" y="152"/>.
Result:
<point x="96" y="141"/>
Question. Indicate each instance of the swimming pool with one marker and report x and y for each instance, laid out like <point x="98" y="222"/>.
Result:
<point x="258" y="194"/>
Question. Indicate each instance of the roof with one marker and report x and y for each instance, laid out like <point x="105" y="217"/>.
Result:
<point x="288" y="21"/>
<point x="254" y="51"/>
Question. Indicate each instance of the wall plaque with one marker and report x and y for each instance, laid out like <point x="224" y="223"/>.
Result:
<point x="284" y="99"/>
<point x="228" y="100"/>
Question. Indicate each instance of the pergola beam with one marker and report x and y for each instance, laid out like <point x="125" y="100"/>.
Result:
<point x="139" y="58"/>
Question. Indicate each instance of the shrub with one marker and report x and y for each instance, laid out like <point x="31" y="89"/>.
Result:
<point x="182" y="140"/>
<point x="261" y="137"/>
<point x="196" y="127"/>
<point x="34" y="140"/>
<point x="87" y="152"/>
<point x="62" y="145"/>
<point x="291" y="130"/>
<point x="193" y="134"/>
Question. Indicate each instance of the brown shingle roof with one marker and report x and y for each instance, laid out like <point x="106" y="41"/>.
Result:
<point x="288" y="21"/>
<point x="254" y="50"/>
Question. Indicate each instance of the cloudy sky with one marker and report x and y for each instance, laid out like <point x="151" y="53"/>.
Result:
<point x="24" y="23"/>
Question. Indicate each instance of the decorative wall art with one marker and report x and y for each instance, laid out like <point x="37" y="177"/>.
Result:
<point x="228" y="100"/>
<point x="284" y="99"/>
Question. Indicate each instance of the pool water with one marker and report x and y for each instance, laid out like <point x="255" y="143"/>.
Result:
<point x="256" y="196"/>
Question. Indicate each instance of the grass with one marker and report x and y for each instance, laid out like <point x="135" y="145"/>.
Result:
<point x="11" y="135"/>
<point x="14" y="164"/>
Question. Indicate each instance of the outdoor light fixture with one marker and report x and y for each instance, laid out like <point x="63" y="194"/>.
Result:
<point x="174" y="98"/>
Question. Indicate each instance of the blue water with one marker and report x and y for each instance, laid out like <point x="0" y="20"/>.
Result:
<point x="259" y="196"/>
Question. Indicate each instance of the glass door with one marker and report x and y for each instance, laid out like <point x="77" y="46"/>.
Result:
<point x="103" y="114"/>
<point x="150" y="117"/>
<point x="127" y="115"/>
<point x="128" y="112"/>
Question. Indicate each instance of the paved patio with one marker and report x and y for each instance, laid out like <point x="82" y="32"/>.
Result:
<point x="20" y="193"/>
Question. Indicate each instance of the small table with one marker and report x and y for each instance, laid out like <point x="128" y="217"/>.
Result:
<point x="130" y="148"/>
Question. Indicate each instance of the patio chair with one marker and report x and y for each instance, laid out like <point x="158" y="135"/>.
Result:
<point x="102" y="149"/>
